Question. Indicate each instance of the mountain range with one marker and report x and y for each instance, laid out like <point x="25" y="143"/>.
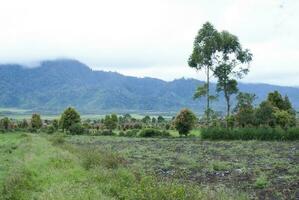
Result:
<point x="56" y="84"/>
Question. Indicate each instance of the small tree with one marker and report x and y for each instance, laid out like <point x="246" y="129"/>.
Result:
<point x="244" y="109"/>
<point x="36" y="121"/>
<point x="69" y="117"/>
<point x="146" y="119"/>
<point x="160" y="119"/>
<point x="23" y="124"/>
<point x="276" y="100"/>
<point x="185" y="121"/>
<point x="5" y="123"/>
<point x="55" y="124"/>
<point x="265" y="114"/>
<point x="110" y="121"/>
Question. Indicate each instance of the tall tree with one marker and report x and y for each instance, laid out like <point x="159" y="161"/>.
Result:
<point x="232" y="62"/>
<point x="202" y="58"/>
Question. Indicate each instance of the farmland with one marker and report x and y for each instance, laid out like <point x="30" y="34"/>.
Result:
<point x="38" y="166"/>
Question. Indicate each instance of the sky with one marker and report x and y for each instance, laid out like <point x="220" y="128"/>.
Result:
<point x="150" y="38"/>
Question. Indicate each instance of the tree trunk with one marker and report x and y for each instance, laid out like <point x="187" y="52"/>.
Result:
<point x="227" y="108"/>
<point x="208" y="96"/>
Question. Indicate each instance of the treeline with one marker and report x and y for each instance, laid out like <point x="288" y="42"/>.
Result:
<point x="273" y="119"/>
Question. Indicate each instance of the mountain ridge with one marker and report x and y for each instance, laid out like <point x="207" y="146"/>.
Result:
<point x="56" y="84"/>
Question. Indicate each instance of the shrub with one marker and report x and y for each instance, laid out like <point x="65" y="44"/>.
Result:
<point x="150" y="132"/>
<point x="77" y="129"/>
<point x="121" y="133"/>
<point x="292" y="134"/>
<point x="132" y="133"/>
<point x="260" y="133"/>
<point x="185" y="121"/>
<point x="261" y="182"/>
<point x="50" y="129"/>
<point x="107" y="132"/>
<point x="57" y="139"/>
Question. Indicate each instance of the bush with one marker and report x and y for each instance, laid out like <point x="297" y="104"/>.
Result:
<point x="292" y="134"/>
<point x="107" y="132"/>
<point x="150" y="132"/>
<point x="50" y="129"/>
<point x="185" y="121"/>
<point x="261" y="133"/>
<point x="132" y="133"/>
<point x="77" y="129"/>
<point x="121" y="133"/>
<point x="57" y="139"/>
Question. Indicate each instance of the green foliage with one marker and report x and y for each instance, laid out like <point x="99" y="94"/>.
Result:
<point x="160" y="119"/>
<point x="17" y="183"/>
<point x="260" y="133"/>
<point x="77" y="129"/>
<point x="265" y="114"/>
<point x="185" y="121"/>
<point x="5" y="123"/>
<point x="205" y="47"/>
<point x="276" y="100"/>
<point x="55" y="124"/>
<point x="57" y="139"/>
<point x="146" y="119"/>
<point x="245" y="113"/>
<point x="151" y="132"/>
<point x="68" y="118"/>
<point x="50" y="129"/>
<point x="261" y="182"/>
<point x="105" y="132"/>
<point x="110" y="121"/>
<point x="132" y="133"/>
<point x="36" y="121"/>
<point x="230" y="60"/>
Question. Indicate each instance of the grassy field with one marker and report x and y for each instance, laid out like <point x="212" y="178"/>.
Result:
<point x="261" y="169"/>
<point x="36" y="166"/>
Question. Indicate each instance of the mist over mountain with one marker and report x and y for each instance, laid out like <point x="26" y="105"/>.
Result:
<point x="57" y="84"/>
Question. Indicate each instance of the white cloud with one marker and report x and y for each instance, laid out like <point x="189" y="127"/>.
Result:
<point x="150" y="38"/>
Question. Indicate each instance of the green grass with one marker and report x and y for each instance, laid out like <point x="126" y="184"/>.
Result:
<point x="241" y="165"/>
<point x="37" y="166"/>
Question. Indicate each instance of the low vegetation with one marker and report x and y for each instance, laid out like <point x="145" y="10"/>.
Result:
<point x="34" y="167"/>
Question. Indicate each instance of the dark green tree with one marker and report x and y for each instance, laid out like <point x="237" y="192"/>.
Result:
<point x="276" y="100"/>
<point x="5" y="123"/>
<point x="36" y="121"/>
<point x="160" y="119"/>
<point x="202" y="58"/>
<point x="284" y="112"/>
<point x="185" y="121"/>
<point x="146" y="119"/>
<point x="69" y="117"/>
<point x="265" y="114"/>
<point x="244" y="109"/>
<point x="110" y="121"/>
<point x="55" y="124"/>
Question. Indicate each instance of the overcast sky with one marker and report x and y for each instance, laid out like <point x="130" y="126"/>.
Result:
<point x="150" y="37"/>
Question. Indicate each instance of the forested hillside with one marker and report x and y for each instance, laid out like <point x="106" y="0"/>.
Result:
<point x="57" y="84"/>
